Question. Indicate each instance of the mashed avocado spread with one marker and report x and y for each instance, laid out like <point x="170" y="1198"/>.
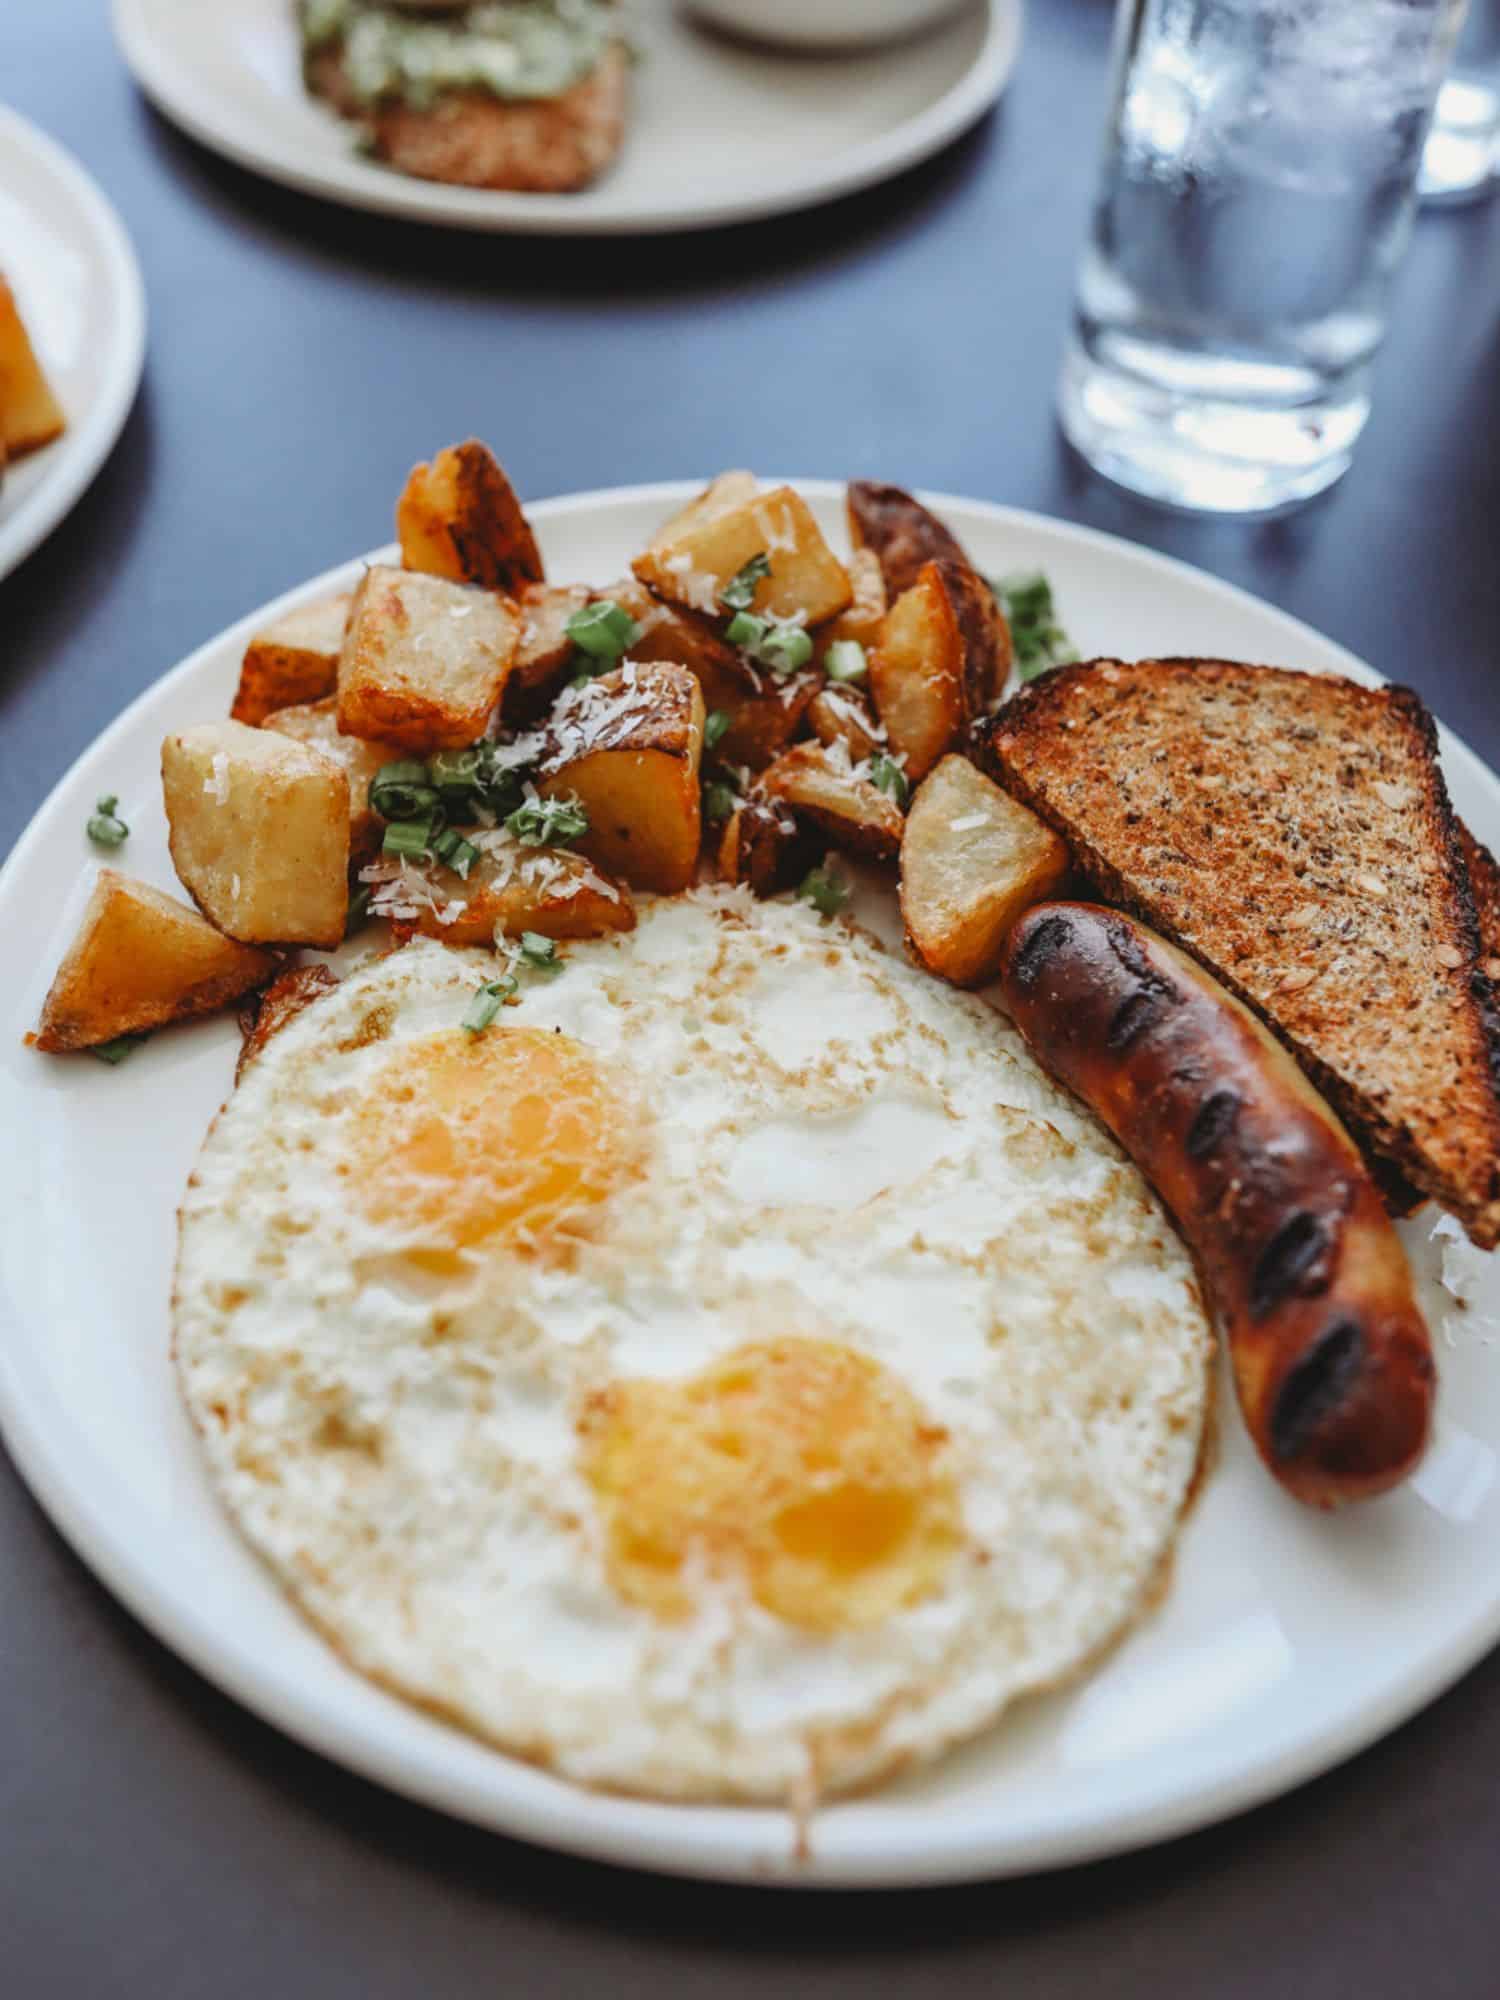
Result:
<point x="512" y="48"/>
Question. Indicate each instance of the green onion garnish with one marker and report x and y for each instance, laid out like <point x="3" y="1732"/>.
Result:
<point x="887" y="776"/>
<point x="719" y="802"/>
<point x="460" y="854"/>
<point x="107" y="829"/>
<point x="739" y="593"/>
<point x="359" y="908"/>
<point x="825" y="890"/>
<point x="487" y="1003"/>
<point x="605" y="631"/>
<point x="548" y="822"/>
<point x="402" y="791"/>
<point x="846" y="660"/>
<point x="539" y="952"/>
<point x="715" y="728"/>
<point x="456" y="777"/>
<point x="115" y="1052"/>
<point x="409" y="838"/>
<point x="1037" y="640"/>
<point x="746" y="630"/>
<point x="785" y="648"/>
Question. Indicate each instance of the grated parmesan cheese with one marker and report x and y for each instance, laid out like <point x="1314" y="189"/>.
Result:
<point x="217" y="785"/>
<point x="968" y="823"/>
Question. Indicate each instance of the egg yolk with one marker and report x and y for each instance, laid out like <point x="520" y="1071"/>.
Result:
<point x="467" y="1142"/>
<point x="803" y="1465"/>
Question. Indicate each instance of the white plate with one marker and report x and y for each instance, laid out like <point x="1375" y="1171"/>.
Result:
<point x="719" y="132"/>
<point x="69" y="261"/>
<point x="1287" y="1641"/>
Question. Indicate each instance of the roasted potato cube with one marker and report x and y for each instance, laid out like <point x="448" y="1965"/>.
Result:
<point x="140" y="959"/>
<point x="628" y="746"/>
<point x="459" y="518"/>
<point x="825" y="790"/>
<point x="510" y="889"/>
<point x="694" y="567"/>
<point x="30" y="414"/>
<point x="972" y="859"/>
<point x="259" y="832"/>
<point x="425" y="662"/>
<point x="317" y="725"/>
<point x="268" y="1012"/>
<point x="902" y="534"/>
<point x="763" y="846"/>
<point x="545" y="652"/>
<point x="934" y="668"/>
<point x="843" y="715"/>
<point x="861" y="619"/>
<point x="292" y="661"/>
<point x="721" y="496"/>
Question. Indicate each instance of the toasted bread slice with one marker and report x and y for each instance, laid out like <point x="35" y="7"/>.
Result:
<point x="1484" y="880"/>
<point x="1293" y="832"/>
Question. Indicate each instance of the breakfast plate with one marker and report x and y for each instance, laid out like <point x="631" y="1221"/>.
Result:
<point x="804" y="129"/>
<point x="67" y="257"/>
<point x="1286" y="1641"/>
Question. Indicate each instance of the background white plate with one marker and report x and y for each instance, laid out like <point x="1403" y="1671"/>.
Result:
<point x="69" y="261"/>
<point x="719" y="132"/>
<point x="1287" y="1640"/>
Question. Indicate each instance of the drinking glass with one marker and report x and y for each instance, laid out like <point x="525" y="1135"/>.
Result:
<point x="1462" y="155"/>
<point x="1257" y="192"/>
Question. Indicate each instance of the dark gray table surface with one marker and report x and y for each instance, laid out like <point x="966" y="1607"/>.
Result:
<point x="154" y="1840"/>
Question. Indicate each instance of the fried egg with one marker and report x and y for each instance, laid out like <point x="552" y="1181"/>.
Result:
<point x="735" y="1373"/>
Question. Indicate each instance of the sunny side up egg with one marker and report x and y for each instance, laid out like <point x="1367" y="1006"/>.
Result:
<point x="737" y="1373"/>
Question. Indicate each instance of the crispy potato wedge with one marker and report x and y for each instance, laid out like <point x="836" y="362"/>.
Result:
<point x="861" y="619"/>
<point x="544" y="653"/>
<point x="510" y="889"/>
<point x="763" y="846"/>
<point x="317" y="725"/>
<point x="459" y="518"/>
<point x="266" y="1013"/>
<point x="806" y="577"/>
<point x="823" y="789"/>
<point x="30" y="414"/>
<point x="424" y="662"/>
<point x="628" y="746"/>
<point x="721" y="496"/>
<point x="986" y="634"/>
<point x="934" y="669"/>
<point x="902" y="534"/>
<point x="259" y="832"/>
<point x="140" y="959"/>
<point x="972" y="859"/>
<point x="292" y="661"/>
<point x="844" y="715"/>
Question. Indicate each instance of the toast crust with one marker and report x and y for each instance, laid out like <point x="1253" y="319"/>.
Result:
<point x="1294" y="834"/>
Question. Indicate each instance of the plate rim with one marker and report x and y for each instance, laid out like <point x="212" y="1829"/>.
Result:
<point x="350" y="183"/>
<point x="82" y="450"/>
<point x="642" y="1834"/>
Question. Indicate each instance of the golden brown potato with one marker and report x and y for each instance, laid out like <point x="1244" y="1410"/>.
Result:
<point x="259" y="832"/>
<point x="902" y="534"/>
<point x="805" y="576"/>
<point x="30" y="414"/>
<point x="317" y="725"/>
<point x="844" y="715"/>
<point x="292" y="661"/>
<point x="934" y="669"/>
<point x="860" y="620"/>
<point x="510" y="889"/>
<point x="825" y="790"/>
<point x="267" y="1012"/>
<point x="140" y="959"/>
<point x="628" y="746"/>
<point x="763" y="846"/>
<point x="972" y="859"/>
<point x="544" y="654"/>
<point x="459" y="518"/>
<point x="721" y="496"/>
<point x="425" y="662"/>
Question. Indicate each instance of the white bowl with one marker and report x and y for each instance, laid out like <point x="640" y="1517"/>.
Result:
<point x="823" y="24"/>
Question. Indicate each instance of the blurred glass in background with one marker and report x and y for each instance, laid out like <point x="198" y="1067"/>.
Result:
<point x="1256" y="195"/>
<point x="1462" y="156"/>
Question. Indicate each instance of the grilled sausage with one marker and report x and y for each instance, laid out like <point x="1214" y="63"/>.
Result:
<point x="1331" y="1357"/>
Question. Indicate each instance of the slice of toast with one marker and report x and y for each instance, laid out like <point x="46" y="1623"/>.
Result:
<point x="1293" y="832"/>
<point x="1484" y="880"/>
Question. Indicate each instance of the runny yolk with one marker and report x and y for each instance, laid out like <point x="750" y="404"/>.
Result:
<point x="506" y="1139"/>
<point x="803" y="1465"/>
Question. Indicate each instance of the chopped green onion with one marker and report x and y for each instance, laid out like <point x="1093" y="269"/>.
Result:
<point x="115" y="1052"/>
<point x="548" y="822"/>
<point x="605" y="631"/>
<point x="460" y="854"/>
<point x="785" y="648"/>
<point x="746" y="630"/>
<point x="401" y="791"/>
<point x="359" y="908"/>
<point x="105" y="827"/>
<point x="719" y="802"/>
<point x="456" y="777"/>
<point x="487" y="1004"/>
<point x="825" y="889"/>
<point x="1038" y="642"/>
<point x="715" y="728"/>
<point x="410" y="838"/>
<point x="846" y="660"/>
<point x="739" y="593"/>
<point x="539" y="952"/>
<point x="887" y="776"/>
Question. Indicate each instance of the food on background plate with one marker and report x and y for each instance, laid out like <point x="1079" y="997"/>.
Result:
<point x="524" y="95"/>
<point x="30" y="414"/>
<point x="1331" y="1357"/>
<point x="603" y="1420"/>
